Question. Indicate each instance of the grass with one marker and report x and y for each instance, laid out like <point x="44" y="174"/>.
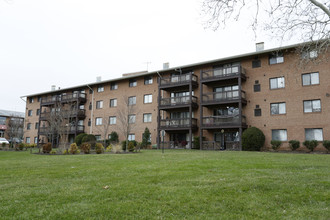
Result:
<point x="174" y="185"/>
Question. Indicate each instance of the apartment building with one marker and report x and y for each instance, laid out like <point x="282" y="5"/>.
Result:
<point x="11" y="124"/>
<point x="214" y="100"/>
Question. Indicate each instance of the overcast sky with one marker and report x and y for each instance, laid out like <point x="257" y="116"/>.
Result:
<point x="71" y="42"/>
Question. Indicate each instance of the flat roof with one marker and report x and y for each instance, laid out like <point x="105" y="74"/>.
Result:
<point x="145" y="73"/>
<point x="8" y="113"/>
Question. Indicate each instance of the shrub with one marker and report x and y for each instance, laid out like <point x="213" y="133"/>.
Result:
<point x="253" y="139"/>
<point x="3" y="144"/>
<point x="65" y="152"/>
<point x="130" y="146"/>
<point x="294" y="144"/>
<point x="90" y="139"/>
<point x="117" y="148"/>
<point x="196" y="143"/>
<point x="79" y="138"/>
<point x="275" y="144"/>
<point x="114" y="137"/>
<point x="73" y="148"/>
<point x="145" y="138"/>
<point x="311" y="144"/>
<point x="46" y="148"/>
<point x="326" y="144"/>
<point x="99" y="149"/>
<point x="53" y="152"/>
<point x="86" y="148"/>
<point x="22" y="145"/>
<point x="123" y="144"/>
<point x="109" y="148"/>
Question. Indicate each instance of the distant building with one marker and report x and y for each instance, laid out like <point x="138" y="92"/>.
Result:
<point x="215" y="100"/>
<point x="6" y="118"/>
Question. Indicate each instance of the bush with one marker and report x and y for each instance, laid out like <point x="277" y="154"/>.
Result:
<point x="123" y="144"/>
<point x="117" y="148"/>
<point x="53" y="152"/>
<point x="130" y="146"/>
<point x="145" y="138"/>
<point x="294" y="144"/>
<point x="65" y="152"/>
<point x="109" y="148"/>
<point x="86" y="148"/>
<point x="79" y="138"/>
<point x="253" y="139"/>
<point x="326" y="144"/>
<point x="196" y="143"/>
<point x="114" y="137"/>
<point x="90" y="139"/>
<point x="311" y="144"/>
<point x="46" y="148"/>
<point x="73" y="148"/>
<point x="99" y="149"/>
<point x="275" y="144"/>
<point x="22" y="145"/>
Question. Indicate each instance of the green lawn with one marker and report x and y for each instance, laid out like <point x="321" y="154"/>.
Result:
<point x="175" y="185"/>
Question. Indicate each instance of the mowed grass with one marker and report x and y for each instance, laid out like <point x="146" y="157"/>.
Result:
<point x="174" y="185"/>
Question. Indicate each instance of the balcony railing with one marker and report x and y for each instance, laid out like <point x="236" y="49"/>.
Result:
<point x="178" y="123"/>
<point x="177" y="101"/>
<point x="73" y="97"/>
<point x="223" y="96"/>
<point x="178" y="80"/>
<point x="216" y="145"/>
<point x="63" y="114"/>
<point x="219" y="121"/>
<point x="63" y="129"/>
<point x="223" y="72"/>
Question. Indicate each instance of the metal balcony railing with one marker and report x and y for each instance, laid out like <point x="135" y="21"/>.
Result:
<point x="223" y="96"/>
<point x="178" y="79"/>
<point x="218" y="121"/>
<point x="223" y="72"/>
<point x="178" y="123"/>
<point x="178" y="101"/>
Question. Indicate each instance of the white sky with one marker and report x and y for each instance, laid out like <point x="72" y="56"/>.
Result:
<point x="71" y="42"/>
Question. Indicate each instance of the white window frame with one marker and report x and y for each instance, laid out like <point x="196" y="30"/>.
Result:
<point x="131" y="137"/>
<point x="281" y="133"/>
<point x="147" y="98"/>
<point x="277" y="83"/>
<point x="113" y="103"/>
<point x="309" y="79"/>
<point x="28" y="140"/>
<point x="98" y="121"/>
<point x="147" y="117"/>
<point x="314" y="134"/>
<point x="132" y="100"/>
<point x="99" y="104"/>
<point x="112" y="120"/>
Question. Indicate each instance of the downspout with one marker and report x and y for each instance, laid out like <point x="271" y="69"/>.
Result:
<point x="92" y="111"/>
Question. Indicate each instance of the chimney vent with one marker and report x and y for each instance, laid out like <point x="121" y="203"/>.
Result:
<point x="166" y="66"/>
<point x="53" y="88"/>
<point x="260" y="46"/>
<point x="98" y="79"/>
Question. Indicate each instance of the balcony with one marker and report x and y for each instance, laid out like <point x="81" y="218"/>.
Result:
<point x="81" y="114"/>
<point x="223" y="97"/>
<point x="183" y="80"/>
<point x="178" y="124"/>
<point x="178" y="102"/>
<point x="74" y="97"/>
<point x="73" y="129"/>
<point x="215" y="145"/>
<point x="223" y="73"/>
<point x="215" y="122"/>
<point x="50" y="100"/>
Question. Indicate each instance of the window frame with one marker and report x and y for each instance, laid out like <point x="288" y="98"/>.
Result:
<point x="314" y="129"/>
<point x="131" y="137"/>
<point x="276" y="58"/>
<point x="310" y="78"/>
<point x="114" y="102"/>
<point x="313" y="109"/>
<point x="132" y="83"/>
<point x="277" y="104"/>
<point x="100" y="88"/>
<point x="147" y="116"/>
<point x="98" y="121"/>
<point x="99" y="104"/>
<point x="132" y="119"/>
<point x="112" y="120"/>
<point x="132" y="98"/>
<point x="28" y="126"/>
<point x="149" y="100"/>
<point x="277" y="82"/>
<point x="113" y="86"/>
<point x="286" y="134"/>
<point x="148" y="80"/>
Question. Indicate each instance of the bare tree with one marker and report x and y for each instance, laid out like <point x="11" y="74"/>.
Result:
<point x="307" y="19"/>
<point x="104" y="129"/>
<point x="15" y="129"/>
<point x="126" y="117"/>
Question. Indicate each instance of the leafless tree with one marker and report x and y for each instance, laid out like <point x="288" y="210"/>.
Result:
<point x="307" y="19"/>
<point x="104" y="129"/>
<point x="15" y="129"/>
<point x="125" y="117"/>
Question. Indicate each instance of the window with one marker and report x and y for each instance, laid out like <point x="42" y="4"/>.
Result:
<point x="131" y="137"/>
<point x="277" y="108"/>
<point x="100" y="88"/>
<point x="132" y="100"/>
<point x="147" y="80"/>
<point x="256" y="63"/>
<point x="30" y="113"/>
<point x="31" y="100"/>
<point x="277" y="83"/>
<point x="98" y="121"/>
<point x="257" y="112"/>
<point x="99" y="104"/>
<point x="89" y="122"/>
<point x="147" y="99"/>
<point x="256" y="88"/>
<point x="3" y="120"/>
<point x="279" y="135"/>
<point x="27" y="140"/>
<point x="309" y="54"/>
<point x="310" y="79"/>
<point x="35" y="140"/>
<point x="312" y="106"/>
<point x="38" y="112"/>
<point x="113" y="86"/>
<point x="276" y="58"/>
<point x="147" y="117"/>
<point x="36" y="126"/>
<point x="112" y="120"/>
<point x="314" y="134"/>
<point x="28" y="126"/>
<point x="131" y="119"/>
<point x="132" y="83"/>
<point x="98" y="137"/>
<point x="113" y="102"/>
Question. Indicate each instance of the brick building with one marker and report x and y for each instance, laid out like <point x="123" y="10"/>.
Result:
<point x="11" y="124"/>
<point x="215" y="100"/>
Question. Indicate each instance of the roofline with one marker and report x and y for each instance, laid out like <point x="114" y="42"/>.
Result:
<point x="172" y="69"/>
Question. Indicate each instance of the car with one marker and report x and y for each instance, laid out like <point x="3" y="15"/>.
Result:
<point x="3" y="140"/>
<point x="15" y="140"/>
